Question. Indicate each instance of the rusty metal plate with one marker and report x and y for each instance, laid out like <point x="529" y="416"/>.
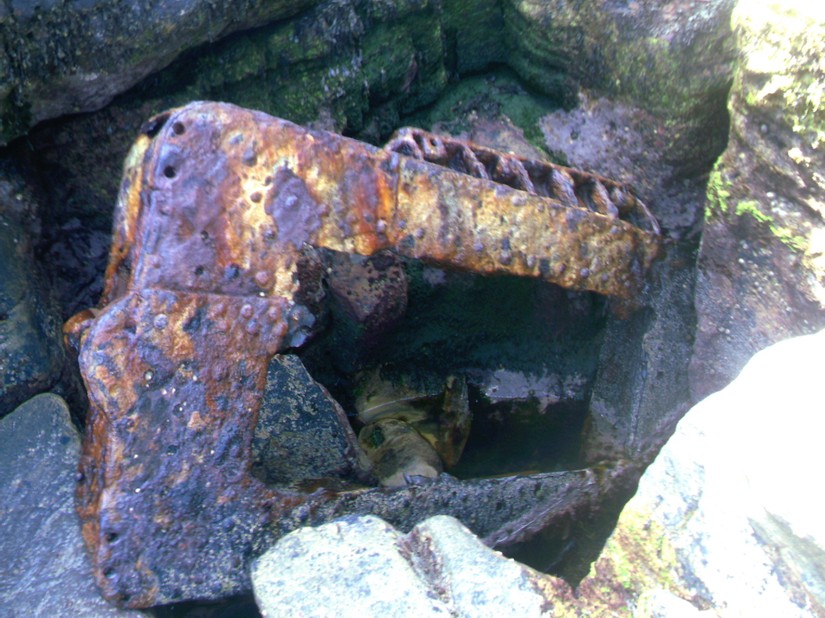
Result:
<point x="202" y="289"/>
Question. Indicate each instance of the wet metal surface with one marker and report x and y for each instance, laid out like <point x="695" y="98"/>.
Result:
<point x="202" y="290"/>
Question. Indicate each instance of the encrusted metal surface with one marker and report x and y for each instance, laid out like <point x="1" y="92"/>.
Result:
<point x="202" y="289"/>
<point x="571" y="187"/>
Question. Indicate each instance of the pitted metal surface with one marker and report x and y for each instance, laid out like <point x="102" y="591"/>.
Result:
<point x="571" y="187"/>
<point x="201" y="291"/>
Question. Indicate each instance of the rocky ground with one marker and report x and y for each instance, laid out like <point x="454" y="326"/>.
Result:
<point x="642" y="93"/>
<point x="710" y="489"/>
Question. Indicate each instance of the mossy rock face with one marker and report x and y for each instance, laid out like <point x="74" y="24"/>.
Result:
<point x="67" y="57"/>
<point x="674" y="63"/>
<point x="363" y="61"/>
<point x="469" y="107"/>
<point x="335" y="63"/>
<point x="762" y="271"/>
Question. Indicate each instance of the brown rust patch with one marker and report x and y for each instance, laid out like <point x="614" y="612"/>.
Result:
<point x="216" y="205"/>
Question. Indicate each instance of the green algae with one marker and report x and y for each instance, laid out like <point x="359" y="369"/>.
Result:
<point x="473" y="35"/>
<point x="807" y="104"/>
<point x="496" y="94"/>
<point x="677" y="68"/>
<point x="720" y="205"/>
<point x="620" y="53"/>
<point x="339" y="62"/>
<point x="54" y="51"/>
<point x="718" y="193"/>
<point x="637" y="557"/>
<point x="784" y="234"/>
<point x="395" y="56"/>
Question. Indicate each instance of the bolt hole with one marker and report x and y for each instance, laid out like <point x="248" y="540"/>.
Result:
<point x="198" y="271"/>
<point x="178" y="128"/>
<point x="154" y="125"/>
<point x="111" y="537"/>
<point x="169" y="171"/>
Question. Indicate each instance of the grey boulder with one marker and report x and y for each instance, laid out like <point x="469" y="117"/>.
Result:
<point x="31" y="352"/>
<point x="44" y="570"/>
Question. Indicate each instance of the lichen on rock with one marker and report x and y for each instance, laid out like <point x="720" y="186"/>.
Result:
<point x="761" y="270"/>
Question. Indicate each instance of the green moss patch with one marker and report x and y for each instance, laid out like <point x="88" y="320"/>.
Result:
<point x="720" y="203"/>
<point x="785" y="235"/>
<point x="495" y="95"/>
<point x="718" y="193"/>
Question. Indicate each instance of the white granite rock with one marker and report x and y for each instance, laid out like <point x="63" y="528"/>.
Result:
<point x="362" y="567"/>
<point x="735" y="494"/>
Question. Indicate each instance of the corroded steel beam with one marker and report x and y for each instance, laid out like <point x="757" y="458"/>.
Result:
<point x="202" y="289"/>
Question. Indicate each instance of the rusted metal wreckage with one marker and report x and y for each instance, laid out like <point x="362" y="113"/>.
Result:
<point x="202" y="290"/>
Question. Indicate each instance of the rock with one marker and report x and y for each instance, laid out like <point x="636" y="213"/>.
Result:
<point x="31" y="349"/>
<point x="494" y="109"/>
<point x="303" y="434"/>
<point x="673" y="60"/>
<point x="368" y="297"/>
<point x="728" y="515"/>
<point x="77" y="254"/>
<point x="353" y="565"/>
<point x="438" y="569"/>
<point x="370" y="291"/>
<point x="45" y="570"/>
<point x="659" y="603"/>
<point x="641" y="388"/>
<point x="66" y="58"/>
<point x="761" y="272"/>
